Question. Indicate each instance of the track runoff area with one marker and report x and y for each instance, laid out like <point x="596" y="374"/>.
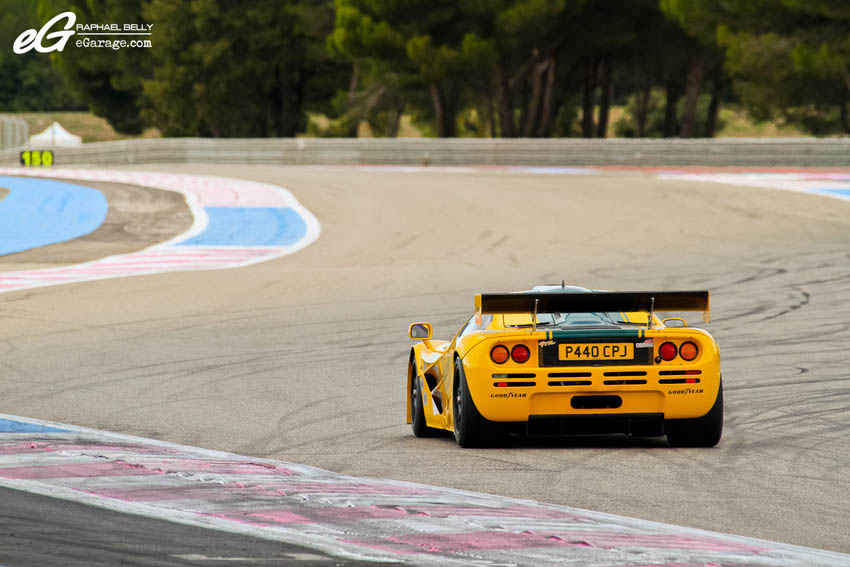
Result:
<point x="236" y="223"/>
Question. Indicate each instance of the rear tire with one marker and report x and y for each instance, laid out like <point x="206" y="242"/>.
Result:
<point x="704" y="431"/>
<point x="417" y="407"/>
<point x="471" y="429"/>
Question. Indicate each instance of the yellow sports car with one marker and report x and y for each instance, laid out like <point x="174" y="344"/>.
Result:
<point x="561" y="360"/>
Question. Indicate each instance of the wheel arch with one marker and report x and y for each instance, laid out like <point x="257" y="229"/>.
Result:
<point x="457" y="362"/>
<point x="412" y="370"/>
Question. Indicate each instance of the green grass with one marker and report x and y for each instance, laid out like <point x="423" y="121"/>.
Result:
<point x="320" y="122"/>
<point x="84" y="124"/>
<point x="736" y="123"/>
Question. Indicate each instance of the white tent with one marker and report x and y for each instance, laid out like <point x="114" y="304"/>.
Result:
<point x="55" y="135"/>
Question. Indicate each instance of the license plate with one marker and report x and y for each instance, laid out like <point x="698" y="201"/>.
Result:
<point x="596" y="351"/>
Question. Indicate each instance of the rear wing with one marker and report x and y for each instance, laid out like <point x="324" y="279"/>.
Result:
<point x="593" y="302"/>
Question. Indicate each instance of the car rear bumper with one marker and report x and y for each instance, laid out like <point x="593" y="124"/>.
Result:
<point x="635" y="424"/>
<point x="558" y="393"/>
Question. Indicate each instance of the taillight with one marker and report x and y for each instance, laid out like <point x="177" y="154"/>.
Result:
<point x="667" y="351"/>
<point x="688" y="351"/>
<point x="520" y="353"/>
<point x="500" y="354"/>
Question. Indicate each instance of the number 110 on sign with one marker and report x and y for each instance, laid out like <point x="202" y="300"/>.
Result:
<point x="37" y="158"/>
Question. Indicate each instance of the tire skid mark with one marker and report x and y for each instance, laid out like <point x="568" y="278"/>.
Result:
<point x="232" y="201"/>
<point x="363" y="518"/>
<point x="744" y="298"/>
<point x="787" y="380"/>
<point x="806" y="298"/>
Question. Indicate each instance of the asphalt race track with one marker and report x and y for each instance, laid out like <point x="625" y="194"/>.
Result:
<point x="303" y="358"/>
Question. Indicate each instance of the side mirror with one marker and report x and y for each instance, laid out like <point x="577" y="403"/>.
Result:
<point x="420" y="331"/>
<point x="682" y="322"/>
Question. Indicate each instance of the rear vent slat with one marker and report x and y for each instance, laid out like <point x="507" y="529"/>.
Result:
<point x="514" y="375"/>
<point x="631" y="373"/>
<point x="679" y="381"/>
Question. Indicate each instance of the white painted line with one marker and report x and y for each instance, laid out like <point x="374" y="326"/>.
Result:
<point x="361" y="518"/>
<point x="170" y="256"/>
<point x="284" y="557"/>
<point x="833" y="185"/>
<point x="514" y="169"/>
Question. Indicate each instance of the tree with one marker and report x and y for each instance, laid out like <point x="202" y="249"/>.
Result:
<point x="788" y="59"/>
<point x="412" y="50"/>
<point x="383" y="79"/>
<point x="108" y="80"/>
<point x="247" y="69"/>
<point x="530" y="37"/>
<point x="496" y="56"/>
<point x="27" y="81"/>
<point x="653" y="67"/>
<point x="704" y="58"/>
<point x="252" y="68"/>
